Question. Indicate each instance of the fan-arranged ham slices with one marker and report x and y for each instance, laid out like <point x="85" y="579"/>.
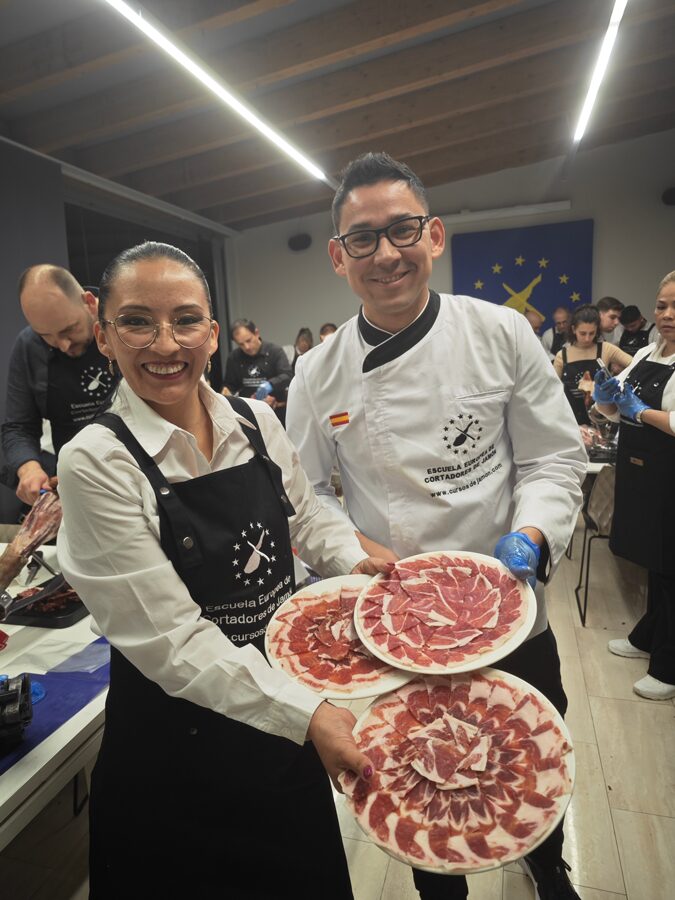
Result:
<point x="312" y="638"/>
<point x="445" y="612"/>
<point x="472" y="771"/>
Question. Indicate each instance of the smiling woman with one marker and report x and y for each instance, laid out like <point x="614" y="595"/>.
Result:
<point x="160" y="496"/>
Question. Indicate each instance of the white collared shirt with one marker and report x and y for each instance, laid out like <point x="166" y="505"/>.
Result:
<point x="109" y="550"/>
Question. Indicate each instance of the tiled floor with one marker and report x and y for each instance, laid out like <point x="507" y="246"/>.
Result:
<point x="620" y="827"/>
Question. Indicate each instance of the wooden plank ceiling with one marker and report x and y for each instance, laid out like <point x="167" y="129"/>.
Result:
<point x="456" y="88"/>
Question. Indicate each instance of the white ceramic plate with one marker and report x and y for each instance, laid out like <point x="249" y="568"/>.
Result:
<point x="521" y="628"/>
<point x="386" y="681"/>
<point x="562" y="802"/>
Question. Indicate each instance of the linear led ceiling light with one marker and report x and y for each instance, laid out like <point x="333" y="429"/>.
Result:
<point x="140" y="19"/>
<point x="600" y="67"/>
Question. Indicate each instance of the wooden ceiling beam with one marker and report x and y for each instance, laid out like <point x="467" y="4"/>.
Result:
<point x="482" y="48"/>
<point x="487" y="95"/>
<point x="347" y="33"/>
<point x="101" y="39"/>
<point x="549" y="31"/>
<point x="621" y="115"/>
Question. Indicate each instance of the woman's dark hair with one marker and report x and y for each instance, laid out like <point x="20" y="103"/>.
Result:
<point x="306" y="334"/>
<point x="587" y="314"/>
<point x="372" y="168"/>
<point x="139" y="253"/>
<point x="327" y="328"/>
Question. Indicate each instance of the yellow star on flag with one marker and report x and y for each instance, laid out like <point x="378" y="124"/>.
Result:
<point x="575" y="296"/>
<point x="496" y="269"/>
<point x="563" y="279"/>
<point x="478" y="285"/>
<point x="543" y="263"/>
<point x="520" y="260"/>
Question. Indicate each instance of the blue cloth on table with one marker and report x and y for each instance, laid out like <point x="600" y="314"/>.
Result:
<point x="67" y="693"/>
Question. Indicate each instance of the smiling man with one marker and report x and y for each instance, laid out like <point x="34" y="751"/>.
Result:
<point x="55" y="372"/>
<point x="448" y="425"/>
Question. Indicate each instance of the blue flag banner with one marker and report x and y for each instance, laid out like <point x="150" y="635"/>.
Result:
<point x="529" y="269"/>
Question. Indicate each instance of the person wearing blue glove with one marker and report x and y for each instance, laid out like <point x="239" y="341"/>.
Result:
<point x="643" y="529"/>
<point x="448" y="425"/>
<point x="605" y="387"/>
<point x="263" y="390"/>
<point x="520" y="555"/>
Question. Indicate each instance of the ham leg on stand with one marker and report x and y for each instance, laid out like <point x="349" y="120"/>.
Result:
<point x="40" y="525"/>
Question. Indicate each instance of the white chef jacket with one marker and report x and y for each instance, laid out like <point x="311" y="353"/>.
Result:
<point x="109" y="550"/>
<point x="653" y="353"/>
<point x="447" y="435"/>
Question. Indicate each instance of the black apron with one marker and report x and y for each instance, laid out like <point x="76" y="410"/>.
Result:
<point x="184" y="801"/>
<point x="643" y="529"/>
<point x="632" y="341"/>
<point x="572" y="374"/>
<point x="77" y="388"/>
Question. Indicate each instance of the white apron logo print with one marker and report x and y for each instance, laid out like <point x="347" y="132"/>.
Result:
<point x="254" y="555"/>
<point x="462" y="433"/>
<point x="95" y="381"/>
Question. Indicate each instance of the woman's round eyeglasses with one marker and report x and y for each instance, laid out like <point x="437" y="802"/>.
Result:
<point x="402" y="233"/>
<point x="138" y="331"/>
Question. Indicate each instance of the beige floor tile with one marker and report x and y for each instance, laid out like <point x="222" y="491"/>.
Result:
<point x="578" y="716"/>
<point x="590" y="846"/>
<point x="646" y="845"/>
<point x="608" y="675"/>
<point x="69" y="880"/>
<point x="519" y="887"/>
<point x="487" y="885"/>
<point x="563" y="630"/>
<point x="20" y="880"/>
<point x="398" y="884"/>
<point x="637" y="749"/>
<point x="367" y="869"/>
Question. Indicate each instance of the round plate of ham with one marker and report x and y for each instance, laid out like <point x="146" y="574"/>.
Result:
<point x="312" y="638"/>
<point x="445" y="612"/>
<point x="471" y="771"/>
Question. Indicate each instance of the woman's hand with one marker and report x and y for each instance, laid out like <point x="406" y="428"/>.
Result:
<point x="330" y="730"/>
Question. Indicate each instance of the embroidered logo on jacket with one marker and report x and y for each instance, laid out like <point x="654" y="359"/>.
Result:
<point x="339" y="419"/>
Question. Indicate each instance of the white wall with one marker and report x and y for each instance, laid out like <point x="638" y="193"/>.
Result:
<point x="619" y="187"/>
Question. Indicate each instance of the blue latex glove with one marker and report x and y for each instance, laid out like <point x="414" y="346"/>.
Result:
<point x="264" y="390"/>
<point x="629" y="403"/>
<point x="606" y="388"/>
<point x="520" y="555"/>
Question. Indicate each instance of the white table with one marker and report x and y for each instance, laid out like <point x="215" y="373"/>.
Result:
<point x="35" y="779"/>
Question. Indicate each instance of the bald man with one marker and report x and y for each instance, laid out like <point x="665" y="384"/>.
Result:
<point x="55" y="372"/>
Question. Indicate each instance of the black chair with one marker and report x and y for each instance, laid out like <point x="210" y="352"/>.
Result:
<point x="597" y="515"/>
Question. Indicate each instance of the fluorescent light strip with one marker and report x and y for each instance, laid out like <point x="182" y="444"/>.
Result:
<point x="600" y="67"/>
<point x="217" y="87"/>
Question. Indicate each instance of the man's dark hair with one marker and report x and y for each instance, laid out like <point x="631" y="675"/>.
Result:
<point x="371" y="168"/>
<point x="242" y="323"/>
<point x="139" y="253"/>
<point x="630" y="314"/>
<point x="588" y="315"/>
<point x="327" y="328"/>
<point x="604" y="304"/>
<point x="58" y="276"/>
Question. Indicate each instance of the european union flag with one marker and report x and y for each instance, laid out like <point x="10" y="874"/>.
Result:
<point x="529" y="269"/>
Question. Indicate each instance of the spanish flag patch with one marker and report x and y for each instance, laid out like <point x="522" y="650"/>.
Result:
<point x="339" y="419"/>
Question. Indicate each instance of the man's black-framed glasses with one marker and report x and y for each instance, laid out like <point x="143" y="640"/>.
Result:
<point x="138" y="331"/>
<point x="402" y="233"/>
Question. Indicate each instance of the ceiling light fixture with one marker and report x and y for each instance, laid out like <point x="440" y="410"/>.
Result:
<point x="600" y="67"/>
<point x="140" y="19"/>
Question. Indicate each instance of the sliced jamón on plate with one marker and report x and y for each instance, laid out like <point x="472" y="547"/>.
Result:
<point x="312" y="638"/>
<point x="472" y="771"/>
<point x="445" y="612"/>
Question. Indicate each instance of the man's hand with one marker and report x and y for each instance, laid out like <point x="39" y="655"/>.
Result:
<point x="520" y="554"/>
<point x="372" y="565"/>
<point x="32" y="479"/>
<point x="330" y="730"/>
<point x="263" y="391"/>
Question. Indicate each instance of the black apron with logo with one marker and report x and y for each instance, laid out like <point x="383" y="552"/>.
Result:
<point x="572" y="374"/>
<point x="77" y="388"/>
<point x="185" y="801"/>
<point x="643" y="527"/>
<point x="632" y="341"/>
